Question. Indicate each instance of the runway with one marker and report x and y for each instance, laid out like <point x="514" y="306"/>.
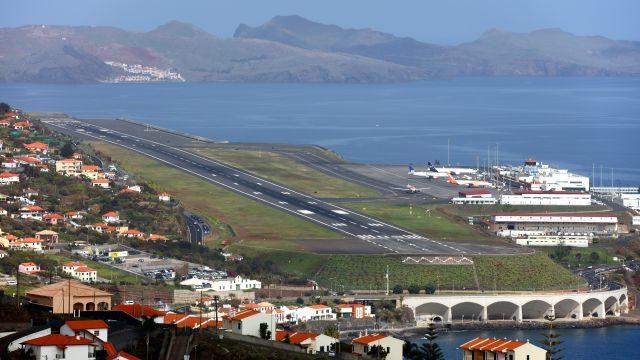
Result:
<point x="166" y="147"/>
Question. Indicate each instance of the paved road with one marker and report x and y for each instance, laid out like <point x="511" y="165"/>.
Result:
<point x="385" y="237"/>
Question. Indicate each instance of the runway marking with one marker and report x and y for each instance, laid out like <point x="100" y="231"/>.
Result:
<point x="282" y="202"/>
<point x="236" y="184"/>
<point x="339" y="224"/>
<point x="257" y="193"/>
<point x="285" y="193"/>
<point x="311" y="202"/>
<point x="341" y="212"/>
<point x="306" y="212"/>
<point x="375" y="224"/>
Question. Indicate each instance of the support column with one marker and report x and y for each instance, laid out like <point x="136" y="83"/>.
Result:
<point x="484" y="314"/>
<point x="601" y="311"/>
<point x="519" y="314"/>
<point x="580" y="312"/>
<point x="448" y="317"/>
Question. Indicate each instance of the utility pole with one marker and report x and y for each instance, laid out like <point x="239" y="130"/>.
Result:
<point x="600" y="175"/>
<point x="448" y="151"/>
<point x="18" y="286"/>
<point x="69" y="301"/>
<point x="215" y="303"/>
<point x="386" y="276"/>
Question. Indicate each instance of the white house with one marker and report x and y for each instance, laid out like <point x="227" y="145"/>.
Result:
<point x="111" y="217"/>
<point x="29" y="268"/>
<point x="236" y="283"/>
<point x="95" y="330"/>
<point x="102" y="183"/>
<point x="631" y="201"/>
<point x="315" y="312"/>
<point x="248" y="323"/>
<point x="164" y="197"/>
<point x="312" y="343"/>
<point x="80" y="271"/>
<point x="7" y="178"/>
<point x="391" y="345"/>
<point x="58" y="346"/>
<point x="9" y="164"/>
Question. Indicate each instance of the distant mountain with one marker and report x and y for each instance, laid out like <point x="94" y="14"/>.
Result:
<point x="293" y="49"/>
<point x="76" y="54"/>
<point x="547" y="52"/>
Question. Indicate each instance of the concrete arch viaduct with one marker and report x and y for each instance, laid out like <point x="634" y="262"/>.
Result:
<point x="518" y="306"/>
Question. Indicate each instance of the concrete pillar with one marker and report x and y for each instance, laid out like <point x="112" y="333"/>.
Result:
<point x="601" y="311"/>
<point x="519" y="314"/>
<point x="484" y="314"/>
<point x="448" y="317"/>
<point x="580" y="312"/>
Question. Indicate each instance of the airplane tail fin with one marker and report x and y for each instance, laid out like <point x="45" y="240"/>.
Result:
<point x="411" y="169"/>
<point x="451" y="179"/>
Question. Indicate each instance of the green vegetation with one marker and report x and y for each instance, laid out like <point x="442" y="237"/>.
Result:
<point x="428" y="220"/>
<point x="246" y="219"/>
<point x="574" y="257"/>
<point x="286" y="171"/>
<point x="486" y="210"/>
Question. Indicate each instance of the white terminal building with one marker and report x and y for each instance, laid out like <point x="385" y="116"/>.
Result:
<point x="229" y="284"/>
<point x="543" y="177"/>
<point x="631" y="201"/>
<point x="533" y="197"/>
<point x="474" y="196"/>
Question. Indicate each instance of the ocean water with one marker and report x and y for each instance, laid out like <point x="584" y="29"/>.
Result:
<point x="611" y="343"/>
<point x="569" y="122"/>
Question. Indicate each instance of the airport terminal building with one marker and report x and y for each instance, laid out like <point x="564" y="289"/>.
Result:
<point x="531" y="197"/>
<point x="519" y="224"/>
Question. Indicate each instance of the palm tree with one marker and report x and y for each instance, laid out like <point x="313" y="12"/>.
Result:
<point x="148" y="325"/>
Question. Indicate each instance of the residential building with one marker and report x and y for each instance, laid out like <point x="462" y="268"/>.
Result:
<point x="156" y="237"/>
<point x="554" y="240"/>
<point x="3" y="254"/>
<point x="10" y="163"/>
<point x="29" y="268"/>
<point x="354" y="311"/>
<point x="58" y="346"/>
<point x="312" y="343"/>
<point x="132" y="234"/>
<point x="31" y="212"/>
<point x="37" y="147"/>
<point x="101" y="227"/>
<point x="91" y="172"/>
<point x="502" y="349"/>
<point x="262" y="306"/>
<point x="73" y="215"/>
<point x="70" y="167"/>
<point x="22" y="125"/>
<point x="392" y="346"/>
<point x="89" y="329"/>
<point x="27" y="243"/>
<point x="29" y="161"/>
<point x="518" y="224"/>
<point x="7" y="178"/>
<point x="164" y="197"/>
<point x="48" y="236"/>
<point x="315" y="312"/>
<point x="248" y="323"/>
<point x="67" y="296"/>
<point x="102" y="183"/>
<point x="138" y="311"/>
<point x="191" y="321"/>
<point x="530" y="197"/>
<point x="3" y="212"/>
<point x="111" y="217"/>
<point x="228" y="284"/>
<point x="80" y="271"/>
<point x="53" y="218"/>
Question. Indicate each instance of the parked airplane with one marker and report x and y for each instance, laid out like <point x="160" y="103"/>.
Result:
<point x="469" y="183"/>
<point x="455" y="171"/>
<point x="410" y="189"/>
<point x="431" y="174"/>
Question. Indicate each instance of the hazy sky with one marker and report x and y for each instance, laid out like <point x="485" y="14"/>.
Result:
<point x="443" y="21"/>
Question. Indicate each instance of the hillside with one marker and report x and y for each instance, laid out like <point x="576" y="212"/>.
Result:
<point x="294" y="49"/>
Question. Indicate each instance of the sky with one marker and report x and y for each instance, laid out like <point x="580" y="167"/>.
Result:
<point x="441" y="21"/>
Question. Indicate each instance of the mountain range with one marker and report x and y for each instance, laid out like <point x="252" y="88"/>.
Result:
<point x="294" y="49"/>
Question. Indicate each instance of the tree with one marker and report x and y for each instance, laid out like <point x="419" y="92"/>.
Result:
<point x="287" y="339"/>
<point x="67" y="150"/>
<point x="4" y="108"/>
<point x="413" y="289"/>
<point x="148" y="325"/>
<point x="594" y="257"/>
<point x="411" y="351"/>
<point x="299" y="301"/>
<point x="430" y="349"/>
<point x="377" y="352"/>
<point x="332" y="330"/>
<point x="578" y="257"/>
<point x="429" y="289"/>
<point x="551" y="342"/>
<point x="397" y="289"/>
<point x="265" y="333"/>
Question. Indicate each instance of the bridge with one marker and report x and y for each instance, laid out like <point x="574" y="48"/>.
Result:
<point x="518" y="306"/>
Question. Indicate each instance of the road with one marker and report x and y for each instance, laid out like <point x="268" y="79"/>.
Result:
<point x="384" y="237"/>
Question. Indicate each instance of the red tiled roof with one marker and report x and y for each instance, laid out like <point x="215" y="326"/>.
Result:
<point x="31" y="208"/>
<point x="29" y="263"/>
<point x="31" y="240"/>
<point x="75" y="264"/>
<point x="133" y="232"/>
<point x="52" y="216"/>
<point x="111" y="214"/>
<point x="57" y="340"/>
<point x="318" y="307"/>
<point x="86" y="324"/>
<point x="85" y="269"/>
<point x="367" y="339"/>
<point x="110" y="349"/>
<point x="299" y="337"/>
<point x="137" y="310"/>
<point x="36" y="145"/>
<point x="127" y="356"/>
<point x="69" y="161"/>
<point x="101" y="181"/>
<point x="494" y="345"/>
<point x="8" y="175"/>
<point x="90" y="168"/>
<point x="244" y="314"/>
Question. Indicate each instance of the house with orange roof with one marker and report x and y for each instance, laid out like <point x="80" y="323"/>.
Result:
<point x="48" y="236"/>
<point x="248" y="322"/>
<point x="138" y="311"/>
<point x="37" y="147"/>
<point x="501" y="349"/>
<point x="80" y="271"/>
<point x="28" y="243"/>
<point x="101" y="183"/>
<point x="7" y="178"/>
<point x="96" y="330"/>
<point x="69" y="167"/>
<point x="9" y="163"/>
<point x="121" y="355"/>
<point x="58" y="346"/>
<point x="354" y="311"/>
<point x="91" y="172"/>
<point x="315" y="312"/>
<point x="29" y="268"/>
<point x="312" y="343"/>
<point x="34" y="212"/>
<point x="3" y="212"/>
<point x="262" y="306"/>
<point x="22" y="125"/>
<point x="164" y="197"/>
<point x="132" y="234"/>
<point x="76" y="155"/>
<point x="5" y="123"/>
<point x="191" y="321"/>
<point x="111" y="217"/>
<point x="156" y="237"/>
<point x="101" y="227"/>
<point x="73" y="215"/>
<point x="29" y="161"/>
<point x="392" y="346"/>
<point x="7" y="239"/>
<point x="53" y="218"/>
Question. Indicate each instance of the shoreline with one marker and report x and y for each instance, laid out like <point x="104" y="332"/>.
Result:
<point x="529" y="325"/>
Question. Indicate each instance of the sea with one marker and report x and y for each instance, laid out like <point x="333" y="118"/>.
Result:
<point x="588" y="125"/>
<point x="610" y="343"/>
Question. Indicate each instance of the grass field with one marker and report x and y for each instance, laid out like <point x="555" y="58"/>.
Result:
<point x="103" y="271"/>
<point x="582" y="256"/>
<point x="486" y="210"/>
<point x="249" y="220"/>
<point x="428" y="220"/>
<point x="288" y="172"/>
